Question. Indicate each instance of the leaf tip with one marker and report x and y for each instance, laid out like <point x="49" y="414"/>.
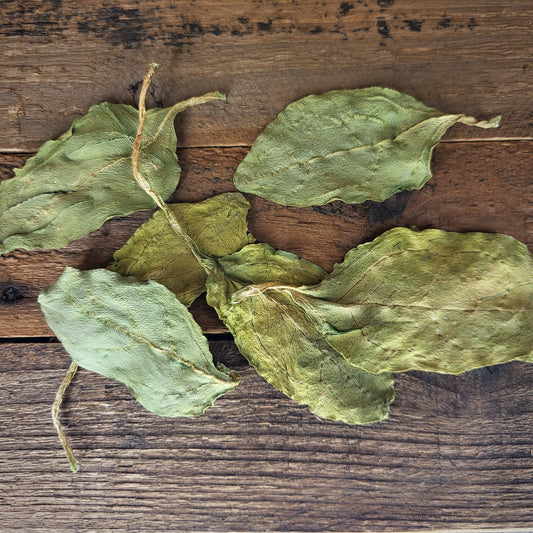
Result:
<point x="494" y="122"/>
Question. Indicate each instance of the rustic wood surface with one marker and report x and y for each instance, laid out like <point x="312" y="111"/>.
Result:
<point x="58" y="59"/>
<point x="456" y="452"/>
<point x="465" y="194"/>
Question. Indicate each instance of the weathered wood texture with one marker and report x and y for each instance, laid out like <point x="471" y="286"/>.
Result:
<point x="455" y="453"/>
<point x="58" y="59"/>
<point x="482" y="186"/>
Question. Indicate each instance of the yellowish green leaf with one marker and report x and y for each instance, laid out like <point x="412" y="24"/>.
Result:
<point x="427" y="300"/>
<point x="137" y="333"/>
<point x="217" y="226"/>
<point x="282" y="343"/>
<point x="352" y="145"/>
<point x="74" y="184"/>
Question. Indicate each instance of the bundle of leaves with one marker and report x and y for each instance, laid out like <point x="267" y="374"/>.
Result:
<point x="427" y="300"/>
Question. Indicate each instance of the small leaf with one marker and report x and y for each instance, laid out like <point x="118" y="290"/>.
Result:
<point x="137" y="333"/>
<point x="260" y="263"/>
<point x="74" y="184"/>
<point x="279" y="340"/>
<point x="429" y="300"/>
<point x="352" y="145"/>
<point x="217" y="226"/>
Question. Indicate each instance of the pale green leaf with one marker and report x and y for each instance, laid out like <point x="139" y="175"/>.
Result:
<point x="137" y="333"/>
<point x="217" y="226"/>
<point x="352" y="145"/>
<point x="429" y="300"/>
<point x="282" y="343"/>
<point x="74" y="184"/>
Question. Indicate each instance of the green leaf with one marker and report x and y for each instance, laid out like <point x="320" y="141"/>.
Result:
<point x="137" y="333"/>
<point x="352" y="145"/>
<point x="218" y="227"/>
<point x="74" y="184"/>
<point x="279" y="340"/>
<point x="429" y="300"/>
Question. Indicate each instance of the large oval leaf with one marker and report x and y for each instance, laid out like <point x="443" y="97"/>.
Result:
<point x="138" y="333"/>
<point x="429" y="300"/>
<point x="283" y="344"/>
<point x="352" y="145"/>
<point x="218" y="227"/>
<point x="74" y="184"/>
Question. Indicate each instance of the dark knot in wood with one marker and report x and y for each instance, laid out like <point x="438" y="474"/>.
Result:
<point x="11" y="294"/>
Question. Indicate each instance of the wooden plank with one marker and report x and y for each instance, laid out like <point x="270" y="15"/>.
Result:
<point x="456" y="453"/>
<point x="482" y="186"/>
<point x="57" y="60"/>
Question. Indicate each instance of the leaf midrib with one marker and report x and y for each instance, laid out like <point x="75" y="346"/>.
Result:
<point x="357" y="148"/>
<point x="144" y="340"/>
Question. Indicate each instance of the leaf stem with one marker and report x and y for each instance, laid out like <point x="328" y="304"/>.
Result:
<point x="74" y="466"/>
<point x="253" y="290"/>
<point x="202" y="259"/>
<point x="494" y="122"/>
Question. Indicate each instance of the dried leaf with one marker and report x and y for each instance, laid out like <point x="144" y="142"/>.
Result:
<point x="138" y="333"/>
<point x="352" y="145"/>
<point x="279" y="340"/>
<point x="217" y="226"/>
<point x="429" y="300"/>
<point x="74" y="184"/>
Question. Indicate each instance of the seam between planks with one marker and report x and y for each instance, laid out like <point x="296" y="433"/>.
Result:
<point x="15" y="151"/>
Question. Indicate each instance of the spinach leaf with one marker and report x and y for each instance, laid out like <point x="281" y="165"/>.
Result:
<point x="427" y="300"/>
<point x="217" y="226"/>
<point x="137" y="333"/>
<point x="282" y="343"/>
<point x="352" y="145"/>
<point x="77" y="182"/>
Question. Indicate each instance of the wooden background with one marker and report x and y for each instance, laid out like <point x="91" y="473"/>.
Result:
<point x="456" y="452"/>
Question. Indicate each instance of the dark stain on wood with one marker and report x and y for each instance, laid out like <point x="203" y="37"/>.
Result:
<point x="265" y="26"/>
<point x="333" y="209"/>
<point x="153" y="97"/>
<point x="194" y="28"/>
<point x="345" y="8"/>
<point x="215" y="30"/>
<point x="127" y="26"/>
<point x="31" y="21"/>
<point x="444" y="22"/>
<point x="472" y="23"/>
<point x="11" y="294"/>
<point x="383" y="27"/>
<point x="414" y="24"/>
<point x="391" y="209"/>
<point x="117" y="25"/>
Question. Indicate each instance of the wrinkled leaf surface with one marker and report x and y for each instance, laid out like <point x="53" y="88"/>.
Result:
<point x="352" y="145"/>
<point x="218" y="227"/>
<point x="429" y="300"/>
<point x="137" y="333"/>
<point x="74" y="184"/>
<point x="282" y="343"/>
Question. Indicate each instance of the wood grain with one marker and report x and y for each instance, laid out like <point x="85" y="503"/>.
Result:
<point x="482" y="186"/>
<point x="455" y="453"/>
<point x="58" y="59"/>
